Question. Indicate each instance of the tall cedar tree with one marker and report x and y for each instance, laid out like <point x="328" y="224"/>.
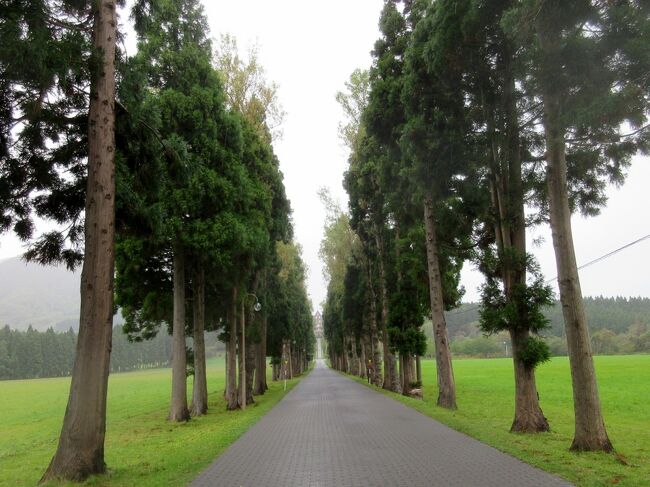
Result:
<point x="80" y="451"/>
<point x="510" y="302"/>
<point x="434" y="142"/>
<point x="200" y="145"/>
<point x="591" y="77"/>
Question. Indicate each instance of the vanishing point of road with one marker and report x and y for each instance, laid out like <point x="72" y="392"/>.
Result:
<point x="330" y="431"/>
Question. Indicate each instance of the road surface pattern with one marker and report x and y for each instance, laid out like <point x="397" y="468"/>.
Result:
<point x="333" y="432"/>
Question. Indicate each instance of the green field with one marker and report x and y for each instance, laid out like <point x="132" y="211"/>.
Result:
<point x="145" y="450"/>
<point x="142" y="448"/>
<point x="485" y="393"/>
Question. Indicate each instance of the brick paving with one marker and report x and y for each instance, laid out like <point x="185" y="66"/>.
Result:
<point x="330" y="431"/>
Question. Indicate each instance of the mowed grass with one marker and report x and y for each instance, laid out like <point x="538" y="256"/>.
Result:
<point x="142" y="448"/>
<point x="485" y="393"/>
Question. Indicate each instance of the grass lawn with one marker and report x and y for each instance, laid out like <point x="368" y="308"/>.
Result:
<point x="142" y="448"/>
<point x="485" y="393"/>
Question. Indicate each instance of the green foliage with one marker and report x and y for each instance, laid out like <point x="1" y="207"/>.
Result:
<point x="523" y="308"/>
<point x="43" y="124"/>
<point x="592" y="64"/>
<point x="534" y="352"/>
<point x="339" y="244"/>
<point x="435" y="134"/>
<point x="217" y="196"/>
<point x="289" y="313"/>
<point x="410" y="341"/>
<point x="353" y="102"/>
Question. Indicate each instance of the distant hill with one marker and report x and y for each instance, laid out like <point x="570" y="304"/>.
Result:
<point x="41" y="296"/>
<point x="615" y="314"/>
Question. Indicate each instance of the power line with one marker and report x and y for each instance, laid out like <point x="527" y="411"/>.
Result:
<point x="603" y="257"/>
<point x="592" y="262"/>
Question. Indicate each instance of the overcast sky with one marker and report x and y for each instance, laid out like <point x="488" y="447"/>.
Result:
<point x="310" y="49"/>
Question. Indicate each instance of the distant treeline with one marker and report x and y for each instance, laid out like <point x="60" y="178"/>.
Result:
<point x="618" y="326"/>
<point x="32" y="354"/>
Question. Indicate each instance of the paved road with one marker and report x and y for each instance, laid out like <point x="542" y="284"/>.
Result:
<point x="333" y="432"/>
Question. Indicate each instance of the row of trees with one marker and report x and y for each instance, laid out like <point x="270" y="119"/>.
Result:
<point x="476" y="120"/>
<point x="33" y="354"/>
<point x="159" y="171"/>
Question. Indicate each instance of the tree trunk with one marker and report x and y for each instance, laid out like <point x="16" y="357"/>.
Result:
<point x="507" y="194"/>
<point x="242" y="355"/>
<point x="590" y="433"/>
<point x="376" y="378"/>
<point x="251" y="352"/>
<point x="362" y="359"/>
<point x="418" y="368"/>
<point x="446" y="385"/>
<point x="528" y="414"/>
<point x="347" y="362"/>
<point x="356" y="370"/>
<point x="390" y="374"/>
<point x="257" y="388"/>
<point x="408" y="377"/>
<point x="178" y="410"/>
<point x="260" y="368"/>
<point x="232" y="399"/>
<point x="275" y="371"/>
<point x="350" y="357"/>
<point x="263" y="352"/>
<point x="200" y="389"/>
<point x="284" y="362"/>
<point x="225" y="387"/>
<point x="80" y="451"/>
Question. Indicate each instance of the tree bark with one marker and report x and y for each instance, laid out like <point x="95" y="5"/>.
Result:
<point x="251" y="352"/>
<point x="446" y="385"/>
<point x="284" y="361"/>
<point x="355" y="357"/>
<point x="178" y="410"/>
<point x="242" y="355"/>
<point x="528" y="414"/>
<point x="418" y="368"/>
<point x="263" y="352"/>
<point x="529" y="417"/>
<point x="408" y="377"/>
<point x="80" y="451"/>
<point x="200" y="388"/>
<point x="260" y="367"/>
<point x="510" y="229"/>
<point x="231" y="390"/>
<point x="590" y="433"/>
<point x="225" y="387"/>
<point x="390" y="373"/>
<point x="375" y="356"/>
<point x="362" y="359"/>
<point x="275" y="371"/>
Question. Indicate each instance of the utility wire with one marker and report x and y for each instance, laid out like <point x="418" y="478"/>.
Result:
<point x="592" y="262"/>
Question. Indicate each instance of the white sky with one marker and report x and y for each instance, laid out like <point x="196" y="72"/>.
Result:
<point x="310" y="49"/>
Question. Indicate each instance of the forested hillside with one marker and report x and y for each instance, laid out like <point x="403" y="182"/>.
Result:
<point x="617" y="325"/>
<point x="33" y="354"/>
<point x="615" y="314"/>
